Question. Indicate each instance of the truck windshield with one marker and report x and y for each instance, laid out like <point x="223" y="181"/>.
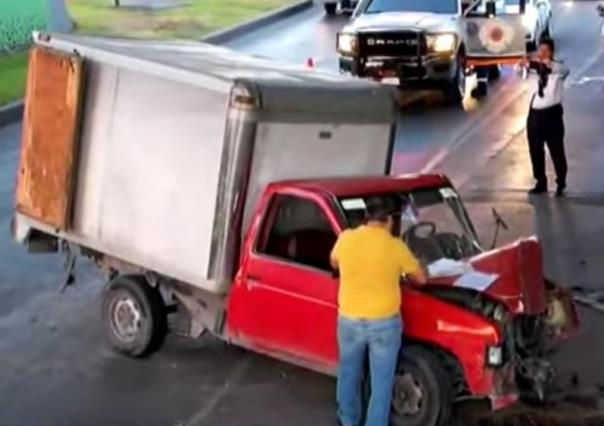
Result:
<point x="430" y="6"/>
<point x="434" y="224"/>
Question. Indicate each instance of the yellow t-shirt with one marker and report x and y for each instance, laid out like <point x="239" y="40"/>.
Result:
<point x="371" y="263"/>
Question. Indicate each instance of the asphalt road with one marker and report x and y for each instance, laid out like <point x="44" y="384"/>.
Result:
<point x="428" y="128"/>
<point x="56" y="370"/>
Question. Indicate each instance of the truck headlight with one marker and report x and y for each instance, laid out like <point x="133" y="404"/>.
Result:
<point x="441" y="43"/>
<point x="348" y="44"/>
<point x="494" y="356"/>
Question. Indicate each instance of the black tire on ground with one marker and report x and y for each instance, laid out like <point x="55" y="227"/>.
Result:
<point x="330" y="8"/>
<point x="481" y="90"/>
<point x="455" y="90"/>
<point x="494" y="72"/>
<point x="423" y="394"/>
<point x="134" y="316"/>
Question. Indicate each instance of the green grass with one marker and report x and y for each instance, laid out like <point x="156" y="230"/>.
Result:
<point x="99" y="17"/>
<point x="197" y="18"/>
<point x="12" y="77"/>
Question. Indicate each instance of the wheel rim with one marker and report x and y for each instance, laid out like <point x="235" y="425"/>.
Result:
<point x="408" y="395"/>
<point x="126" y="318"/>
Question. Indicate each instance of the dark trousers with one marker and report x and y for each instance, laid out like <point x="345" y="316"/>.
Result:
<point x="546" y="126"/>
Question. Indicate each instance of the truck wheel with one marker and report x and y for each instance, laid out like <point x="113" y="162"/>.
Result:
<point x="456" y="89"/>
<point x="422" y="393"/>
<point x="134" y="316"/>
<point x="330" y="8"/>
<point x="494" y="72"/>
<point x="481" y="90"/>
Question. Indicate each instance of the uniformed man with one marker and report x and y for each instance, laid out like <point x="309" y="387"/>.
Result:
<point x="545" y="124"/>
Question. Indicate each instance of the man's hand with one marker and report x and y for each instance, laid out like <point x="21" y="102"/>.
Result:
<point x="418" y="277"/>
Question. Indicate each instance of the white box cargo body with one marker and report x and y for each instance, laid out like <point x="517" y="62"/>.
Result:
<point x="155" y="153"/>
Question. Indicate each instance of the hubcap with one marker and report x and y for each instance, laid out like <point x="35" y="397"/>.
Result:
<point x="126" y="318"/>
<point x="408" y="395"/>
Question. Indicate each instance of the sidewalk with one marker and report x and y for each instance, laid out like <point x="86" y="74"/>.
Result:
<point x="572" y="228"/>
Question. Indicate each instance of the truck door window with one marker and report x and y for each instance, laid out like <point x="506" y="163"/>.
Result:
<point x="299" y="232"/>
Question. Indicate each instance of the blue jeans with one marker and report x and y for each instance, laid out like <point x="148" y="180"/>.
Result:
<point x="381" y="339"/>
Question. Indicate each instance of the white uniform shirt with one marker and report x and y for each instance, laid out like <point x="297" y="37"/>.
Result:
<point x="552" y="91"/>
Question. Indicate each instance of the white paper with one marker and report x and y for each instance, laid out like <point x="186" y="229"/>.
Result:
<point x="475" y="280"/>
<point x="448" y="268"/>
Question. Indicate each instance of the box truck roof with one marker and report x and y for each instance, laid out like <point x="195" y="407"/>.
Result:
<point x="277" y="86"/>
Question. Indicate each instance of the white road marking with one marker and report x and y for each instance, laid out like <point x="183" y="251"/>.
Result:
<point x="234" y="377"/>
<point x="460" y="139"/>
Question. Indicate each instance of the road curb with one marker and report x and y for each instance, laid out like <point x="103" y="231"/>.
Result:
<point x="229" y="34"/>
<point x="11" y="113"/>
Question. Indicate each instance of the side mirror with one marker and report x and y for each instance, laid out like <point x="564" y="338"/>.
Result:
<point x="491" y="8"/>
<point x="499" y="224"/>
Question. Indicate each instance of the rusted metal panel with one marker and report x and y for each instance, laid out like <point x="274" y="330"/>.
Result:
<point x="50" y="129"/>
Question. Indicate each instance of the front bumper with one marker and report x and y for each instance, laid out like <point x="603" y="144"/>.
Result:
<point x="420" y="72"/>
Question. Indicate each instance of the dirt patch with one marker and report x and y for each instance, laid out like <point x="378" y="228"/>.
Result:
<point x="172" y="25"/>
<point x="569" y="407"/>
<point x="541" y="417"/>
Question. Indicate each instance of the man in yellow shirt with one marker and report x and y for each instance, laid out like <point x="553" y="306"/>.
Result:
<point x="371" y="262"/>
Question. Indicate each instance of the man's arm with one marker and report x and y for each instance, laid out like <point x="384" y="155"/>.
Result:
<point x="333" y="260"/>
<point x="334" y="257"/>
<point x="410" y="265"/>
<point x="562" y="70"/>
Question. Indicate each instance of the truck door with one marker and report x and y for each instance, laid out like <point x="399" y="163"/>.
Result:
<point x="494" y="31"/>
<point x="287" y="301"/>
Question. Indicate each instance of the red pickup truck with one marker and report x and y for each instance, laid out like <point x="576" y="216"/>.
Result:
<point x="458" y="342"/>
<point x="205" y="206"/>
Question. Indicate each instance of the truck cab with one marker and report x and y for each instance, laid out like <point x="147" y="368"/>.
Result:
<point x="459" y="342"/>
<point x="430" y="44"/>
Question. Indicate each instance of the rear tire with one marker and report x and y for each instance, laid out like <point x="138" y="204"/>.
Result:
<point x="423" y="395"/>
<point x="134" y="316"/>
<point x="330" y="8"/>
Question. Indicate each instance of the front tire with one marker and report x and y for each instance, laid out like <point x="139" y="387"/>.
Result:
<point x="456" y="89"/>
<point x="134" y="316"/>
<point x="330" y="8"/>
<point x="423" y="394"/>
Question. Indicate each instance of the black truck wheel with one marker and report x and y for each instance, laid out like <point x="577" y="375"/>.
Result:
<point x="456" y="89"/>
<point x="134" y="316"/>
<point x="494" y="73"/>
<point x="330" y="8"/>
<point x="422" y="393"/>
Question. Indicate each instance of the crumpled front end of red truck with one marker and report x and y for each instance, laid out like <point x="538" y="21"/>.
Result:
<point x="514" y="322"/>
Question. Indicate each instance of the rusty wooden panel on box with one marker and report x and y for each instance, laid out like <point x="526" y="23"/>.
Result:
<point x="50" y="129"/>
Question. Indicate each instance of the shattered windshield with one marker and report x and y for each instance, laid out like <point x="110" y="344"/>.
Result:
<point x="430" y="6"/>
<point x="433" y="223"/>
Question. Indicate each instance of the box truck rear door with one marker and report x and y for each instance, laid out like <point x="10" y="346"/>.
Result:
<point x="48" y="149"/>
